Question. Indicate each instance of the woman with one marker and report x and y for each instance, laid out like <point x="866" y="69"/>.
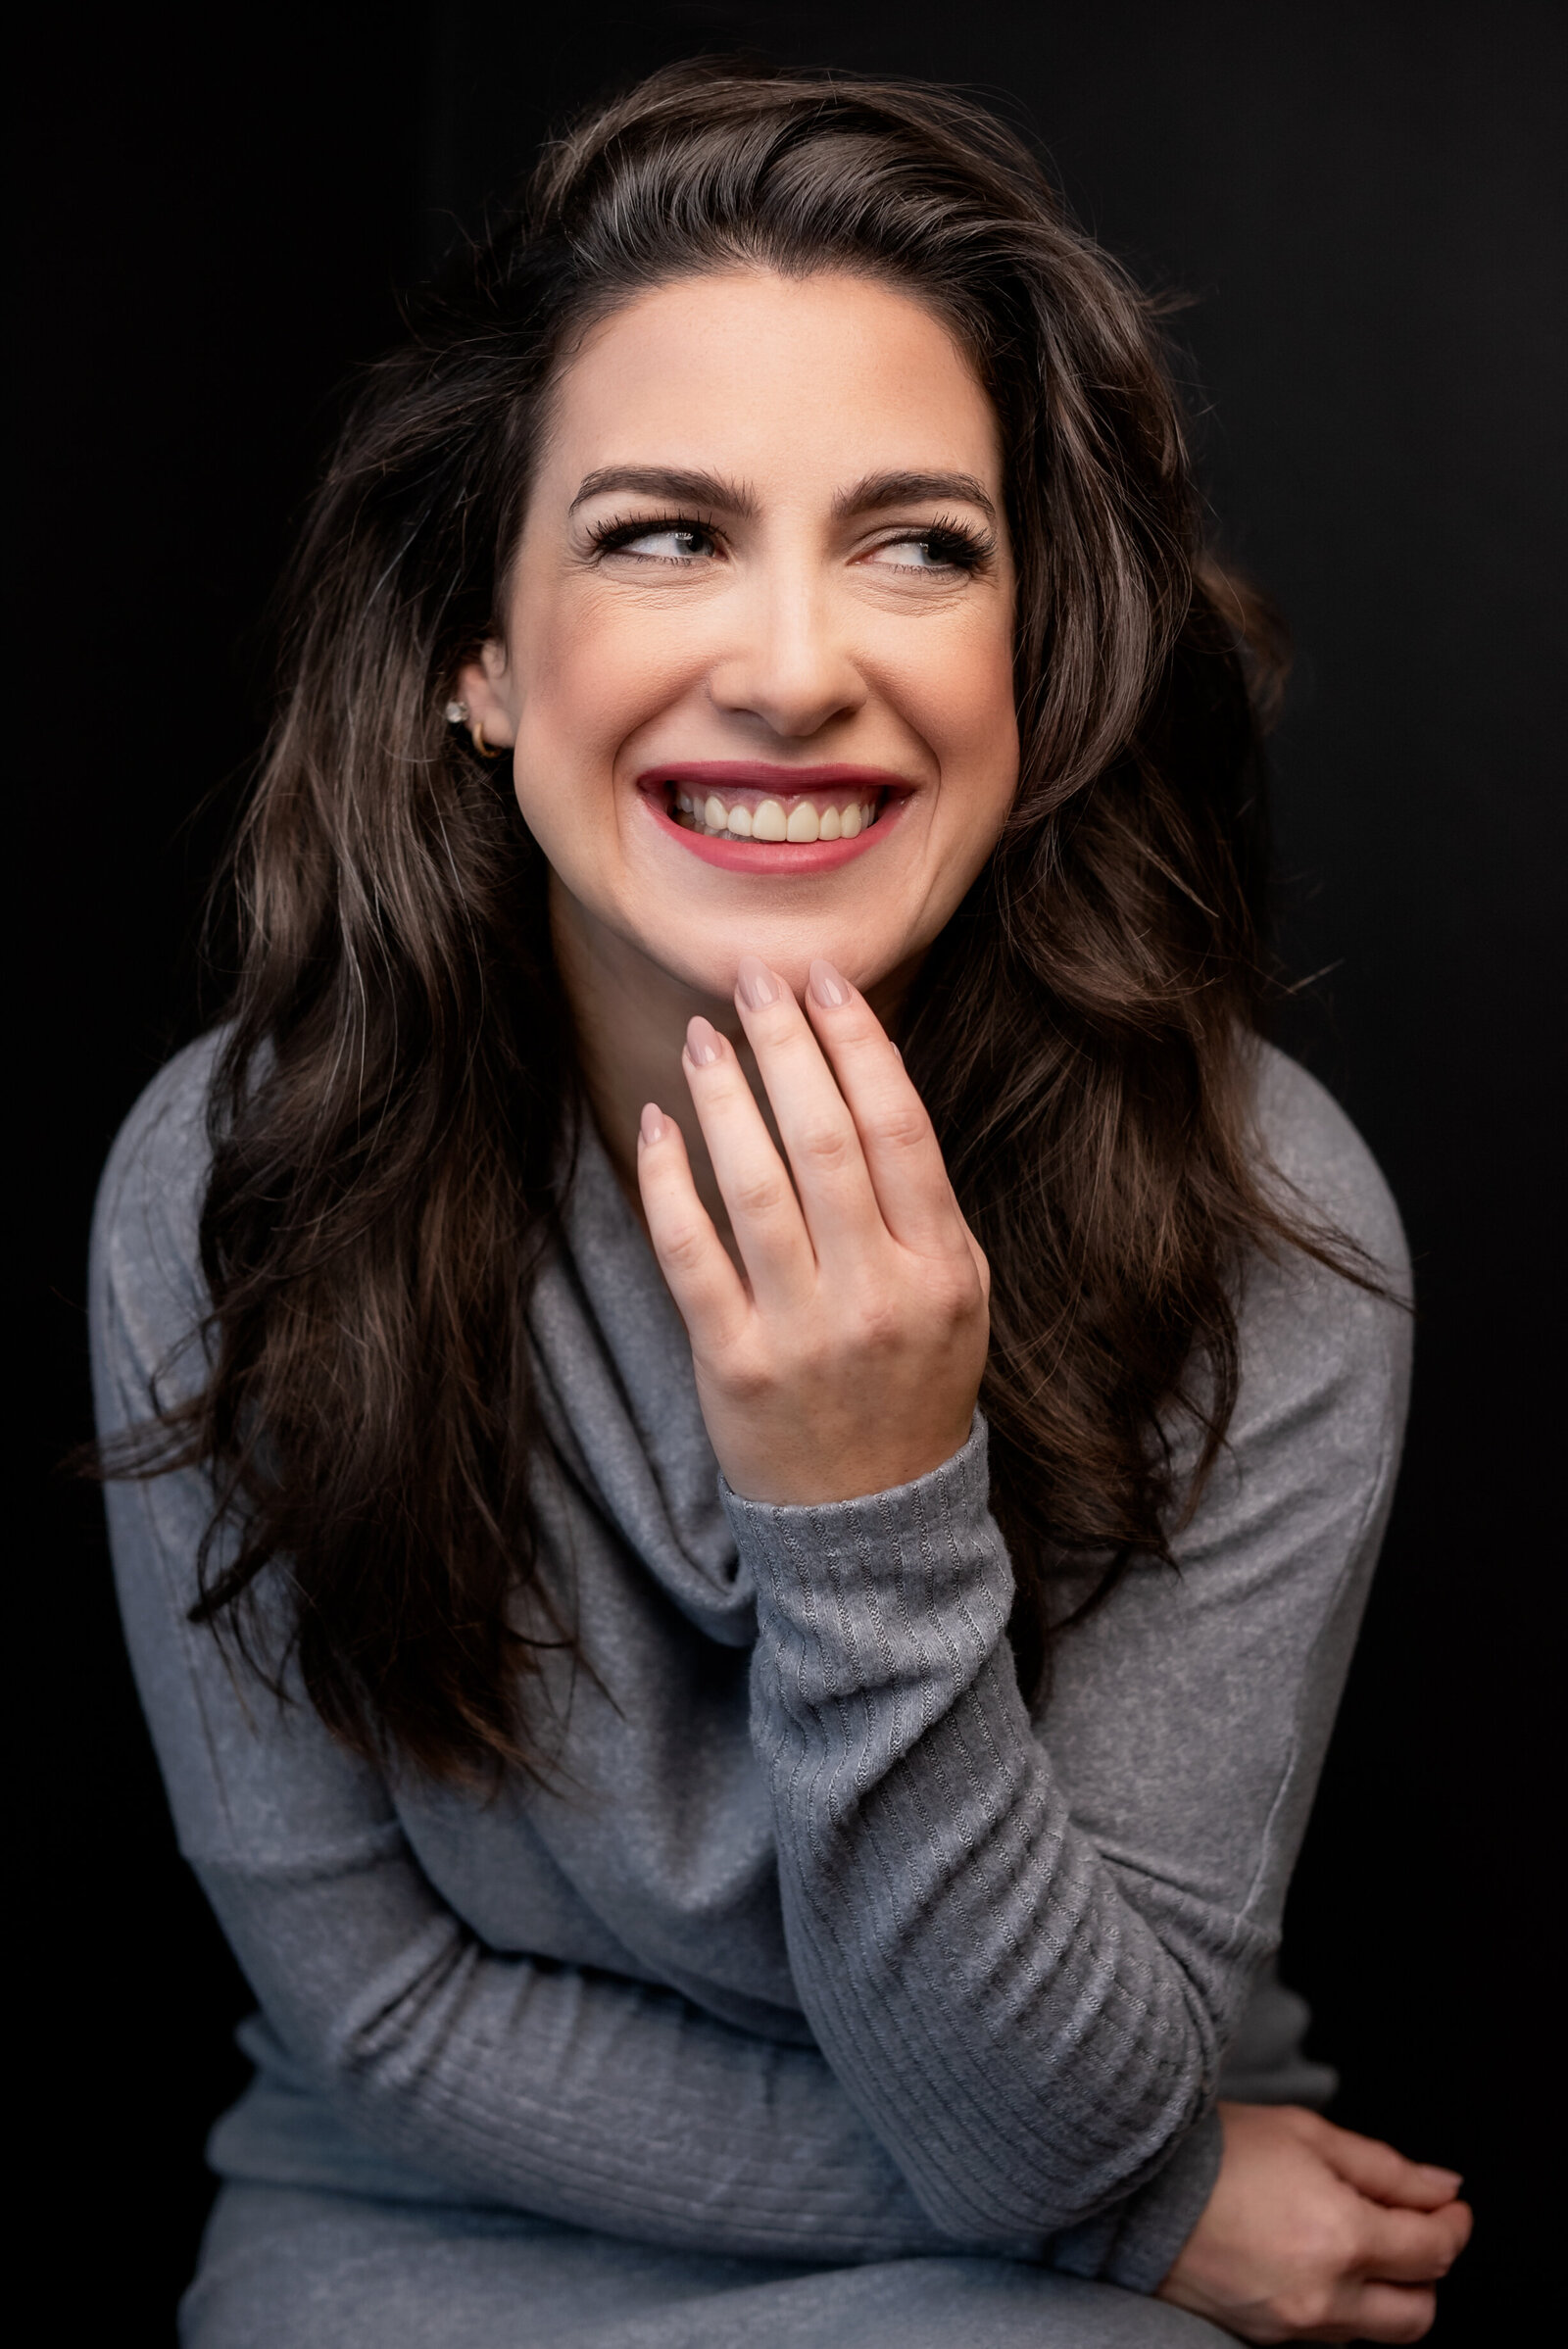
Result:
<point x="742" y="1616"/>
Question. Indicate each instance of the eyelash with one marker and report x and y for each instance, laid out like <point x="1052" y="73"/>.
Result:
<point x="966" y="548"/>
<point x="953" y="544"/>
<point x="619" y="530"/>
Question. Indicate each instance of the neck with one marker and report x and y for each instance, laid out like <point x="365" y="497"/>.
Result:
<point x="629" y="1016"/>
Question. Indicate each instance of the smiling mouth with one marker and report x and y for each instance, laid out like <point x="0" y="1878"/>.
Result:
<point x="746" y="812"/>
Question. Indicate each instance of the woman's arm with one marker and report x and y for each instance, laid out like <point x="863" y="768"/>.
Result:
<point x="1023" y="1952"/>
<point x="549" y="2087"/>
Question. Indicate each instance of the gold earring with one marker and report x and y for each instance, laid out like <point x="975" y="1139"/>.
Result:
<point x="456" y="713"/>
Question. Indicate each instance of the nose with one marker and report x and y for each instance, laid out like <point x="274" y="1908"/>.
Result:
<point x="788" y="665"/>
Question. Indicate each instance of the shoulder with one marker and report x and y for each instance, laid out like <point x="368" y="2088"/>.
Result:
<point x="1317" y="1165"/>
<point x="145" y="1256"/>
<point x="1325" y="1357"/>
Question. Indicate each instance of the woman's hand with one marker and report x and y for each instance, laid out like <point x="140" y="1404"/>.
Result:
<point x="848" y="1359"/>
<point x="1315" y="2234"/>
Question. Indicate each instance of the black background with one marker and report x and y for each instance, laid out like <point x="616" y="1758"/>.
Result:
<point x="1363" y="204"/>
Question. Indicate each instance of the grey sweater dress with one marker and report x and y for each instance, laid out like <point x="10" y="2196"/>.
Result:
<point x="825" y="1994"/>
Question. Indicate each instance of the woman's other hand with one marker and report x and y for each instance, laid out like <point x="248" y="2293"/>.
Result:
<point x="849" y="1357"/>
<point x="1314" y="2234"/>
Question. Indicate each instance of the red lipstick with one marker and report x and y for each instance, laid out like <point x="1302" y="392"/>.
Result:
<point x="750" y="784"/>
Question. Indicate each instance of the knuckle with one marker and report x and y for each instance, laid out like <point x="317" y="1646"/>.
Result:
<point x="748" y="1378"/>
<point x="954" y="1289"/>
<point x="1339" y="2243"/>
<point x="824" y="1146"/>
<point x="875" y="1320"/>
<point x="1412" y="2320"/>
<point x="1305" y="2308"/>
<point x="682" y="1246"/>
<point x="782" y="1034"/>
<point x="1325" y="2247"/>
<point x="759" y="1196"/>
<point x="900" y="1126"/>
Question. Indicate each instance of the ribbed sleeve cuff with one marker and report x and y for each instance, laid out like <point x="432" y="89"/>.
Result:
<point x="882" y="1531"/>
<point x="1137" y="2243"/>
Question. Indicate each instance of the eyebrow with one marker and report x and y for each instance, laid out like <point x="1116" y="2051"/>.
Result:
<point x="873" y="494"/>
<point x="880" y="490"/>
<point x="666" y="481"/>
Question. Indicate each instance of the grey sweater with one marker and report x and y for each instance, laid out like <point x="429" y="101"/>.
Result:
<point x="819" y="1945"/>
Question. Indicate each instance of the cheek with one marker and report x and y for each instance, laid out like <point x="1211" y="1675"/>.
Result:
<point x="587" y="678"/>
<point x="961" y="694"/>
<point x="589" y="673"/>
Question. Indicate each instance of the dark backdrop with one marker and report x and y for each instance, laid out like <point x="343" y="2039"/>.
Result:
<point x="1362" y="203"/>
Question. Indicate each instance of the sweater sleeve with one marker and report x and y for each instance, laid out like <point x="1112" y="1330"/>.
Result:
<point x="544" y="2086"/>
<point x="1024" y="1945"/>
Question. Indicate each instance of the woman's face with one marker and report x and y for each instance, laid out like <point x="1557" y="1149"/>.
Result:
<point x="758" y="670"/>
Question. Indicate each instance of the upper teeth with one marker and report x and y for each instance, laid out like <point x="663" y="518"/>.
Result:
<point x="768" y="821"/>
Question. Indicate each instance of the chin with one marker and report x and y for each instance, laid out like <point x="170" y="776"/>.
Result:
<point x="862" y="951"/>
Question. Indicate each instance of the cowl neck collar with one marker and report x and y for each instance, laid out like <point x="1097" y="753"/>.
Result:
<point x="619" y="1398"/>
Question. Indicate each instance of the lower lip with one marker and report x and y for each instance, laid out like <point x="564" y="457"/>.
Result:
<point x="770" y="858"/>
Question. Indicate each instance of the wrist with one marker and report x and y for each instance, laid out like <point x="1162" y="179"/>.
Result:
<point x="811" y="1474"/>
<point x="861" y="1480"/>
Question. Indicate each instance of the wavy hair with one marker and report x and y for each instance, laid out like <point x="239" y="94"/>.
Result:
<point x="394" y="1102"/>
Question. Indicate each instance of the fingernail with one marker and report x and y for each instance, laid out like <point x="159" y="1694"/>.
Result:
<point x="754" y="983"/>
<point x="827" y="987"/>
<point x="702" y="1042"/>
<point x="651" y="1125"/>
<point x="1450" y="2179"/>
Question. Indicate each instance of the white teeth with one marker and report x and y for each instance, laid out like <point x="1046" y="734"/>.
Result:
<point x="805" y="822"/>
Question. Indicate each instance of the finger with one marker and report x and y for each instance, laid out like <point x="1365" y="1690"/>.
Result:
<point x="764" y="1212"/>
<point x="1405" y="2246"/>
<point x="706" y="1287"/>
<point x="1376" y="2169"/>
<point x="814" y="1122"/>
<point x="901" y="1151"/>
<point x="1390" y="2312"/>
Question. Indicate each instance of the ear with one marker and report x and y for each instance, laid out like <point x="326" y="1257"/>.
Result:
<point x="485" y="685"/>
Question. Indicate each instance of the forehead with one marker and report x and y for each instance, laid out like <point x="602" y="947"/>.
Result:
<point x="802" y="380"/>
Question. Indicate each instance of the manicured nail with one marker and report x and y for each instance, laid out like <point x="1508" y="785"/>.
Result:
<point x="754" y="983"/>
<point x="702" y="1042"/>
<point x="651" y="1125"/>
<point x="827" y="987"/>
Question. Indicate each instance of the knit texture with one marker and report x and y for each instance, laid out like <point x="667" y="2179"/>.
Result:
<point x="818" y="1946"/>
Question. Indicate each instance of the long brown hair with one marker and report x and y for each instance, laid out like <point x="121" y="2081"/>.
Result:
<point x="391" y="1112"/>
